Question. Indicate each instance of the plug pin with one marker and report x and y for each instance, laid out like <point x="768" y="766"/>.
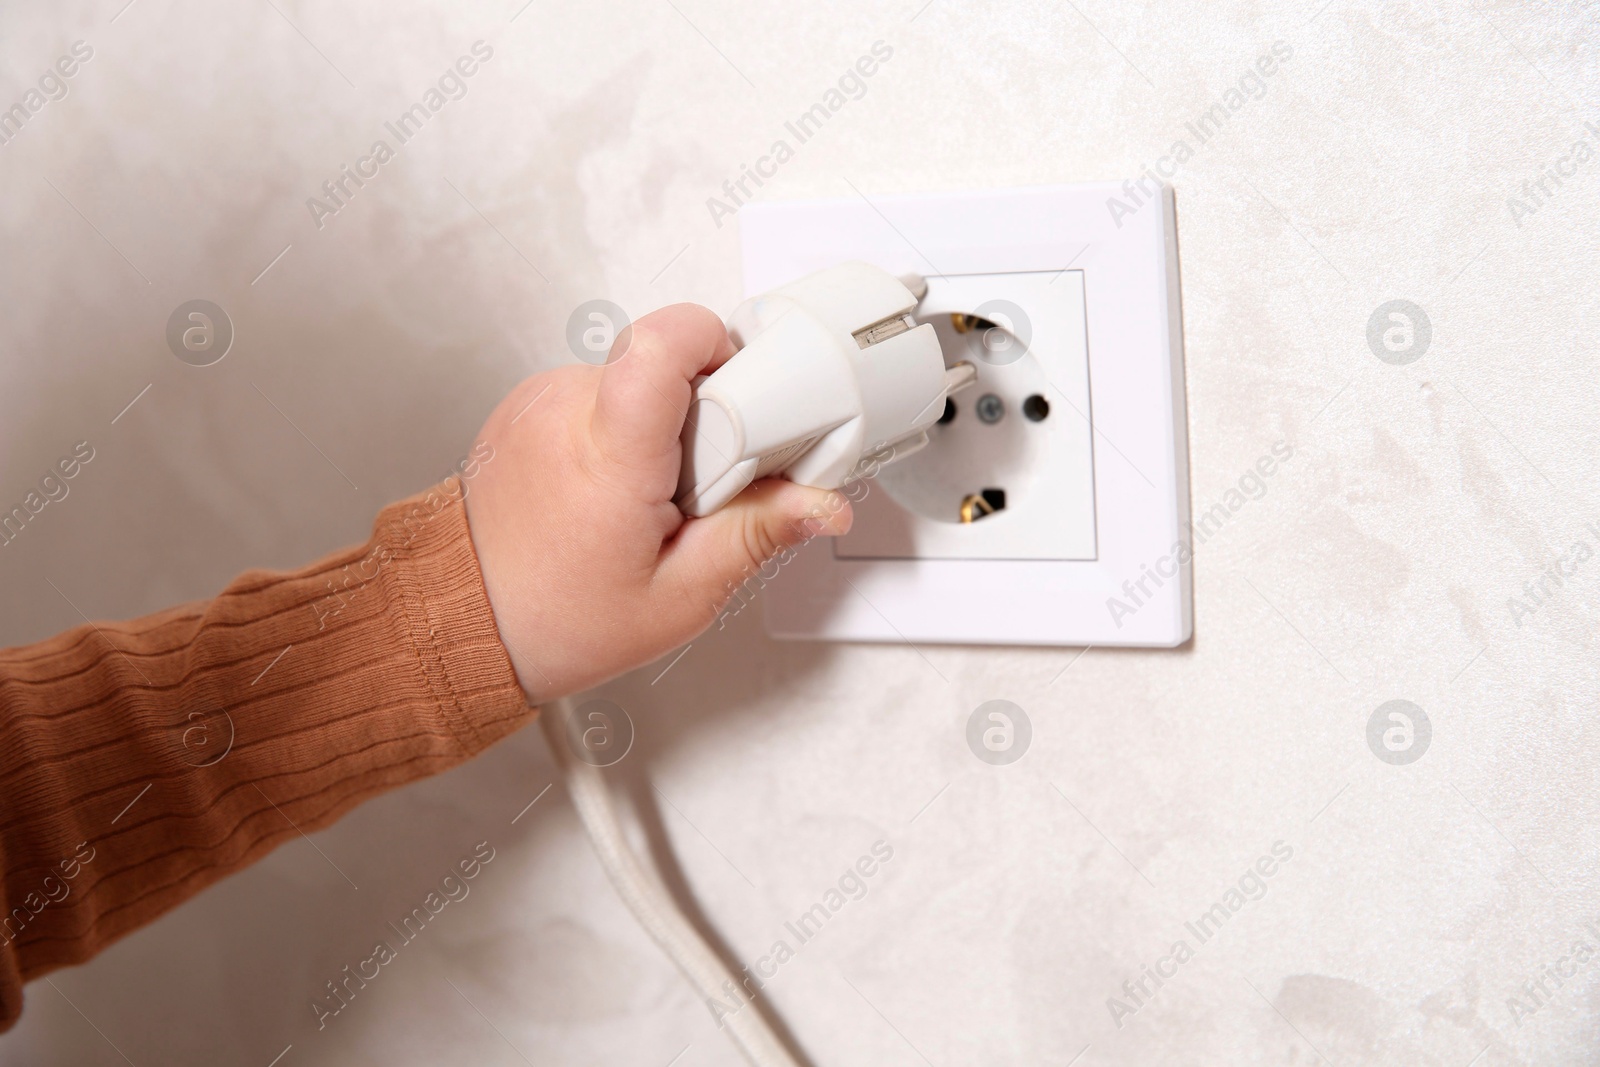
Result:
<point x="959" y="376"/>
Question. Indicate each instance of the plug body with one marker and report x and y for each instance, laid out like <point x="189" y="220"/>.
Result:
<point x="830" y="369"/>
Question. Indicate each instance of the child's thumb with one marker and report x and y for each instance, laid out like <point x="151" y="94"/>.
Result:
<point x="714" y="554"/>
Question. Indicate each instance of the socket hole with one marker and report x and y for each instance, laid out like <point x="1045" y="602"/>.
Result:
<point x="1036" y="408"/>
<point x="949" y="411"/>
<point x="982" y="504"/>
<point x="965" y="323"/>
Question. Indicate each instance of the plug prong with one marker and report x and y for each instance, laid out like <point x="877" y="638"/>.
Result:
<point x="959" y="376"/>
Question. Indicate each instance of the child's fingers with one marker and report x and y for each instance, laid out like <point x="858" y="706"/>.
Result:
<point x="712" y="555"/>
<point x="644" y="392"/>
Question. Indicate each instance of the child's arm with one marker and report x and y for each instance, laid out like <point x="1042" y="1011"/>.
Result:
<point x="142" y="761"/>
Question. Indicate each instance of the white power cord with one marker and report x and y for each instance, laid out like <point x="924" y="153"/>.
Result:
<point x="649" y="902"/>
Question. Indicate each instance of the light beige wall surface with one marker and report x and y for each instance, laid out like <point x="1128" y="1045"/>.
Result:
<point x="1381" y="563"/>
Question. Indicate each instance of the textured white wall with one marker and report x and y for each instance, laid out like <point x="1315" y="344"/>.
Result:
<point x="1379" y="564"/>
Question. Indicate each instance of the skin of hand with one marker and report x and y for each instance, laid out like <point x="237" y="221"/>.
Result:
<point x="590" y="568"/>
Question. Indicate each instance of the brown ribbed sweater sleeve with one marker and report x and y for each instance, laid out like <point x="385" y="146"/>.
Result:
<point x="142" y="761"/>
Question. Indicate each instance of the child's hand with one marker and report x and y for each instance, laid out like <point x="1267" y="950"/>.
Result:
<point x="590" y="567"/>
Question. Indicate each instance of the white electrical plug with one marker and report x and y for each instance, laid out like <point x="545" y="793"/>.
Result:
<point x="831" y="369"/>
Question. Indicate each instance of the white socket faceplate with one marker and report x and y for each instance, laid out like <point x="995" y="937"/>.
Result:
<point x="1097" y="492"/>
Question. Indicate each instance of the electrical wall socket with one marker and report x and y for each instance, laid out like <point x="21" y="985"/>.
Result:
<point x="1068" y="456"/>
<point x="1018" y="434"/>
